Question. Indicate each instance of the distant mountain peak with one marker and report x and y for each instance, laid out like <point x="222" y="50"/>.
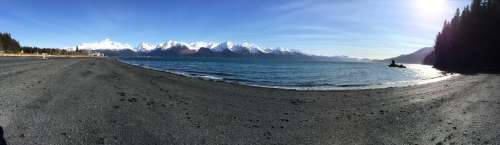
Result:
<point x="223" y="46"/>
<point x="170" y="44"/>
<point x="145" y="47"/>
<point x="105" y="44"/>
<point x="201" y="44"/>
<point x="416" y="57"/>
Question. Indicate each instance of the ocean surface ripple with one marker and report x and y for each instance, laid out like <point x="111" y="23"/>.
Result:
<point x="295" y="74"/>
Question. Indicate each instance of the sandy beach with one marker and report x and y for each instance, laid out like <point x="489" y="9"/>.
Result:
<point x="87" y="101"/>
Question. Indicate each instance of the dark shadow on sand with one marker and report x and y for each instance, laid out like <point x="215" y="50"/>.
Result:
<point x="2" y="139"/>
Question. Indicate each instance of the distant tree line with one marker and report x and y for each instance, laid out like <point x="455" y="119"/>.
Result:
<point x="471" y="40"/>
<point x="10" y="45"/>
<point x="51" y="51"/>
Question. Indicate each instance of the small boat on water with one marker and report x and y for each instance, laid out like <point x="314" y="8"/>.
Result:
<point x="393" y="64"/>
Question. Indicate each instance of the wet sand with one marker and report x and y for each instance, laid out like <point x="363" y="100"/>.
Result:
<point x="102" y="101"/>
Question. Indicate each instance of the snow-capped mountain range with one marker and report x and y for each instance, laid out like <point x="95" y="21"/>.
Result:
<point x="108" y="44"/>
<point x="215" y="47"/>
<point x="201" y="49"/>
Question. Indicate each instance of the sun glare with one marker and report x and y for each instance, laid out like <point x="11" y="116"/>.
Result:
<point x="431" y="7"/>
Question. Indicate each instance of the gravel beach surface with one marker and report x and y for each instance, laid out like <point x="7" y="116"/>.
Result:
<point x="91" y="101"/>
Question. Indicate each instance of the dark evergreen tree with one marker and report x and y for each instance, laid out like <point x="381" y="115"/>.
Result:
<point x="471" y="40"/>
<point x="8" y="44"/>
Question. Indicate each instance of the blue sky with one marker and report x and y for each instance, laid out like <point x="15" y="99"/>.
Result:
<point x="358" y="28"/>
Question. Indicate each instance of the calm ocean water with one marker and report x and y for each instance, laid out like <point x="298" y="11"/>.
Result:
<point x="302" y="75"/>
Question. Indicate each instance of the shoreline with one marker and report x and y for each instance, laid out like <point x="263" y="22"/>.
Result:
<point x="300" y="88"/>
<point x="41" y="55"/>
<point x="103" y="101"/>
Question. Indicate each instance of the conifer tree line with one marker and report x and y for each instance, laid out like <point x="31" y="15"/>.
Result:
<point x="51" y="51"/>
<point x="10" y="45"/>
<point x="471" y="40"/>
